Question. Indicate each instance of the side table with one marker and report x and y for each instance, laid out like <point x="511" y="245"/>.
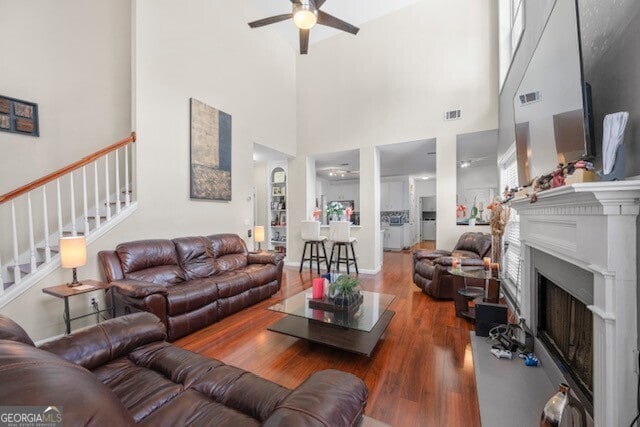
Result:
<point x="490" y="292"/>
<point x="65" y="292"/>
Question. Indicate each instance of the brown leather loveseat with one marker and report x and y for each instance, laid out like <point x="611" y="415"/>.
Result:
<point x="430" y="267"/>
<point x="190" y="282"/>
<point x="122" y="373"/>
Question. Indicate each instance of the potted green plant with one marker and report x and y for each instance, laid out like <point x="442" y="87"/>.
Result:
<point x="345" y="291"/>
<point x="335" y="210"/>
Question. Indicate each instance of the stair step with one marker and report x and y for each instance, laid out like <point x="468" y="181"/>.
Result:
<point x="55" y="249"/>
<point x="122" y="203"/>
<point x="69" y="233"/>
<point x="93" y="217"/>
<point x="7" y="285"/>
<point x="24" y="268"/>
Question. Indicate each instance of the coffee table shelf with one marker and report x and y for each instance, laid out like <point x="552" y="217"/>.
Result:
<point x="357" y="333"/>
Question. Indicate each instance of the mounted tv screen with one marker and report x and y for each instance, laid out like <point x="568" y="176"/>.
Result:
<point x="549" y="105"/>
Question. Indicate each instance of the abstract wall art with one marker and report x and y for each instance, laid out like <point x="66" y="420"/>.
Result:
<point x="210" y="152"/>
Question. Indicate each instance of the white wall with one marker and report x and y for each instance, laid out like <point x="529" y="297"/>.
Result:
<point x="260" y="182"/>
<point x="201" y="49"/>
<point x="391" y="83"/>
<point x="72" y="58"/>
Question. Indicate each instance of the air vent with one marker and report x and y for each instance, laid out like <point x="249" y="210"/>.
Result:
<point x="529" y="98"/>
<point x="453" y="115"/>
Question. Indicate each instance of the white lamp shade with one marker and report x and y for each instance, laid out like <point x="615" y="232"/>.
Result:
<point x="258" y="233"/>
<point x="73" y="251"/>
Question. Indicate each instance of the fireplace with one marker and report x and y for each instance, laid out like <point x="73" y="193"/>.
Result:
<point x="565" y="326"/>
<point x="591" y="228"/>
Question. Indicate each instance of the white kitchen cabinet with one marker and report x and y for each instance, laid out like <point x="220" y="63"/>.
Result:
<point x="394" y="196"/>
<point x="429" y="204"/>
<point x="344" y="190"/>
<point x="406" y="235"/>
<point x="393" y="237"/>
<point x="428" y="230"/>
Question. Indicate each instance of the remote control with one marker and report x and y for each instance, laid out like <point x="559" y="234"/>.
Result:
<point x="501" y="354"/>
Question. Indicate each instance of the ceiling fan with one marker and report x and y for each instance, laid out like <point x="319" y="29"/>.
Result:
<point x="306" y="14"/>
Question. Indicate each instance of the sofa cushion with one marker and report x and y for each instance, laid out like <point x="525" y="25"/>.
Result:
<point x="192" y="408"/>
<point x="153" y="261"/>
<point x="140" y="390"/>
<point x="232" y="283"/>
<point x="10" y="330"/>
<point x="31" y="376"/>
<point x="190" y="295"/>
<point x="261" y="274"/>
<point x="478" y="243"/>
<point x="464" y="254"/>
<point x="242" y="391"/>
<point x="196" y="257"/>
<point x="229" y="250"/>
<point x="93" y="346"/>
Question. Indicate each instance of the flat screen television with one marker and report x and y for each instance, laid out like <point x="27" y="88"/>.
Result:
<point x="552" y="103"/>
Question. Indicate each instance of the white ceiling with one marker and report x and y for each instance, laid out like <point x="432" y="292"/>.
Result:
<point x="355" y="12"/>
<point x="343" y="165"/>
<point x="263" y="153"/>
<point x="478" y="148"/>
<point x="409" y="158"/>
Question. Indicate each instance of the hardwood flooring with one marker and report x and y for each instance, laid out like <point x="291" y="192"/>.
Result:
<point x="420" y="374"/>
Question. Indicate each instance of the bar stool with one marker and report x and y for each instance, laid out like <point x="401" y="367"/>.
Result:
<point x="311" y="236"/>
<point x="340" y="235"/>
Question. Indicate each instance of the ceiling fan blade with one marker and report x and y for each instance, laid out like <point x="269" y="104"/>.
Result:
<point x="304" y="42"/>
<point x="270" y="20"/>
<point x="319" y="3"/>
<point x="332" y="21"/>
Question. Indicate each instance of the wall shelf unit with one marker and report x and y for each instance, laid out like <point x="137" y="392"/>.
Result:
<point x="277" y="236"/>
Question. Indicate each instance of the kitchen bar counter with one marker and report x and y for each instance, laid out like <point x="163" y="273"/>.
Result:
<point x="351" y="226"/>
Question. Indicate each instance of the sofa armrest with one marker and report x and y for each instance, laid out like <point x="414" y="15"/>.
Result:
<point x="447" y="261"/>
<point x="96" y="345"/>
<point x="264" y="258"/>
<point x="138" y="289"/>
<point x="420" y="254"/>
<point x="327" y="398"/>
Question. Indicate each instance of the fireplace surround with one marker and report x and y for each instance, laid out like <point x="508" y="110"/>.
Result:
<point x="586" y="234"/>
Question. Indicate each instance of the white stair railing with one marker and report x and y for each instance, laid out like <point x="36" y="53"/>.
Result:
<point x="29" y="254"/>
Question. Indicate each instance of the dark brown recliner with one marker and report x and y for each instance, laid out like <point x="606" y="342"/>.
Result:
<point x="190" y="282"/>
<point x="430" y="267"/>
<point x="122" y="373"/>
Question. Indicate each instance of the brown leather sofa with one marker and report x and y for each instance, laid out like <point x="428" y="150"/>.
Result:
<point x="190" y="282"/>
<point x="430" y="267"/>
<point x="122" y="373"/>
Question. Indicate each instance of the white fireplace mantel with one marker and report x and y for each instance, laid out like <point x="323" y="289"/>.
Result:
<point x="593" y="226"/>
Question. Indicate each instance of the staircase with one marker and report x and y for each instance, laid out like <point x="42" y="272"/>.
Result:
<point x="88" y="197"/>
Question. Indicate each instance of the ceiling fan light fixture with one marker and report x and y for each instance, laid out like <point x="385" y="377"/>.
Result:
<point x="305" y="15"/>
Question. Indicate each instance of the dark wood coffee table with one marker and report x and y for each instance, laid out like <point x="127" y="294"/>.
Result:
<point x="358" y="332"/>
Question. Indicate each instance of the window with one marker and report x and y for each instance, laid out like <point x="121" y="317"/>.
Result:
<point x="511" y="28"/>
<point x="512" y="260"/>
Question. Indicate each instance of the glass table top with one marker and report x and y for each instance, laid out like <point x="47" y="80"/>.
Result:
<point x="364" y="318"/>
<point x="474" y="273"/>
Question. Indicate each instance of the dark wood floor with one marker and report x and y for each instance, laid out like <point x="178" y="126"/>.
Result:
<point x="421" y="373"/>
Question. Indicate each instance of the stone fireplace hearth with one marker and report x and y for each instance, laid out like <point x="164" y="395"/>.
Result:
<point x="590" y="230"/>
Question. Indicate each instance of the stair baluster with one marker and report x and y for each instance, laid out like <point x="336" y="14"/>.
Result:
<point x="97" y="193"/>
<point x="127" y="198"/>
<point x="85" y="202"/>
<point x="45" y="214"/>
<point x="106" y="179"/>
<point x="74" y="228"/>
<point x="16" y="260"/>
<point x="118" y="190"/>
<point x="59" y="206"/>
<point x="32" y="243"/>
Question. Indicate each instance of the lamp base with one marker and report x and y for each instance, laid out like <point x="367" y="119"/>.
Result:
<point x="75" y="282"/>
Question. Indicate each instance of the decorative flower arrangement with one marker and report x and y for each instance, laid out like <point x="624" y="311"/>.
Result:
<point x="316" y="213"/>
<point x="500" y="215"/>
<point x="348" y="212"/>
<point x="335" y="208"/>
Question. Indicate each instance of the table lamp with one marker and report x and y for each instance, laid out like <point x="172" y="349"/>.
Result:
<point x="258" y="234"/>
<point x="73" y="254"/>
